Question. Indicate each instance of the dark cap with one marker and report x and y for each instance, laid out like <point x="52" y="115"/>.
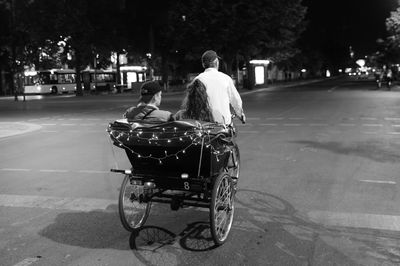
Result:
<point x="148" y="90"/>
<point x="208" y="57"/>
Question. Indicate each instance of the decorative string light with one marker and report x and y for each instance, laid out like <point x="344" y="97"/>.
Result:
<point x="164" y="136"/>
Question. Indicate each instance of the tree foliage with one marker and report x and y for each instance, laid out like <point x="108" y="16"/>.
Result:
<point x="248" y="28"/>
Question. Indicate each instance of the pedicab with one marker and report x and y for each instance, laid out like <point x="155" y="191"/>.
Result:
<point x="181" y="163"/>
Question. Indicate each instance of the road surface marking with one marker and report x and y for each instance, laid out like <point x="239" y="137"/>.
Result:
<point x="94" y="119"/>
<point x="49" y="131"/>
<point x="249" y="131"/>
<point x="356" y="220"/>
<point x="274" y="118"/>
<point x="318" y="125"/>
<point x="243" y="125"/>
<point x="55" y="203"/>
<point x="93" y="172"/>
<point x="68" y="124"/>
<point x="368" y="118"/>
<point x="48" y="124"/>
<point x="378" y="181"/>
<point x="252" y="118"/>
<point x="292" y="125"/>
<point x="395" y="125"/>
<point x="372" y="125"/>
<point x="28" y="261"/>
<point x="272" y="125"/>
<point x="53" y="171"/>
<point x="296" y="118"/>
<point x="369" y="132"/>
<point x="15" y="169"/>
<point x="333" y="88"/>
<point x="394" y="133"/>
<point x="392" y="118"/>
<point x="347" y="124"/>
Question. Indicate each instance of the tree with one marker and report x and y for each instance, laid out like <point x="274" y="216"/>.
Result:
<point x="391" y="47"/>
<point x="245" y="28"/>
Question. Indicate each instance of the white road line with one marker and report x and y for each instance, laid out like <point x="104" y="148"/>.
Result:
<point x="318" y="125"/>
<point x="274" y="118"/>
<point x="27" y="261"/>
<point x="369" y="132"/>
<point x="392" y="118"/>
<point x="368" y="118"/>
<point x="55" y="203"/>
<point x="93" y="172"/>
<point x="49" y="131"/>
<point x="394" y="133"/>
<point x="249" y="131"/>
<point x="296" y="118"/>
<point x="244" y="125"/>
<point x="378" y="181"/>
<point x="395" y="125"/>
<point x="272" y="125"/>
<point x="292" y="125"/>
<point x="68" y="124"/>
<point x="347" y="124"/>
<point x="48" y="124"/>
<point x="15" y="169"/>
<point x="356" y="220"/>
<point x="372" y="125"/>
<point x="253" y="118"/>
<point x="53" y="171"/>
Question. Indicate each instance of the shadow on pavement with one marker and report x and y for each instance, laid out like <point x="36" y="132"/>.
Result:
<point x="267" y="230"/>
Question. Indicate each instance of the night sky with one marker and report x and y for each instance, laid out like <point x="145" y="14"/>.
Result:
<point x="356" y="23"/>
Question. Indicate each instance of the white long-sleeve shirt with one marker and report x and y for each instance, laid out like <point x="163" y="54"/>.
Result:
<point x="222" y="94"/>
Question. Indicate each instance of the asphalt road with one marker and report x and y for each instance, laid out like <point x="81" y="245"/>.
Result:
<point x="319" y="183"/>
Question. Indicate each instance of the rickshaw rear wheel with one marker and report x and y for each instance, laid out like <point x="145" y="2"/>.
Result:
<point x="133" y="206"/>
<point x="221" y="208"/>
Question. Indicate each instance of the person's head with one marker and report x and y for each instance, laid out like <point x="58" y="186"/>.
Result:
<point x="150" y="93"/>
<point x="210" y="59"/>
<point x="196" y="104"/>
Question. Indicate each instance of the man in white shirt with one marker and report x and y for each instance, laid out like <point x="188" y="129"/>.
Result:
<point x="221" y="91"/>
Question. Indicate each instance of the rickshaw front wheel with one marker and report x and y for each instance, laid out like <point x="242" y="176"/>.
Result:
<point x="221" y="208"/>
<point x="132" y="205"/>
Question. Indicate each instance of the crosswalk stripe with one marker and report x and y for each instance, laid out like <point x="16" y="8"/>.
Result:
<point x="356" y="220"/>
<point x="56" y="203"/>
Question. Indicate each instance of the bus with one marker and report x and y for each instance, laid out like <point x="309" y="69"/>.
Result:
<point x="99" y="80"/>
<point x="53" y="81"/>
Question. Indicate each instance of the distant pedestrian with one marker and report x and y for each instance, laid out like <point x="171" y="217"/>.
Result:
<point x="221" y="91"/>
<point x="148" y="106"/>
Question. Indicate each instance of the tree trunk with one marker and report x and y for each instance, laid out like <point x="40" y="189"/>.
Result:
<point x="79" y="90"/>
<point x="164" y="63"/>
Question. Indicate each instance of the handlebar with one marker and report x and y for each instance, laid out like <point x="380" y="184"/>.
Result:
<point x="242" y="118"/>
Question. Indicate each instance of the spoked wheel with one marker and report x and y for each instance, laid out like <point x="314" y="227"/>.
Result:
<point x="222" y="208"/>
<point x="133" y="211"/>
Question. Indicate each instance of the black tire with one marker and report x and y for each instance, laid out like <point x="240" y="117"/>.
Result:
<point x="221" y="208"/>
<point x="133" y="212"/>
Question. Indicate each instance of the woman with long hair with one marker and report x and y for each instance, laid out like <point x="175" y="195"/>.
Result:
<point x="195" y="104"/>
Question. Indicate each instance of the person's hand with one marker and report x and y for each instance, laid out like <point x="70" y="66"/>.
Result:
<point x="243" y="118"/>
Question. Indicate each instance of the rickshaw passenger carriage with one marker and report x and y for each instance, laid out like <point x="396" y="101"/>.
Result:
<point x="181" y="163"/>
